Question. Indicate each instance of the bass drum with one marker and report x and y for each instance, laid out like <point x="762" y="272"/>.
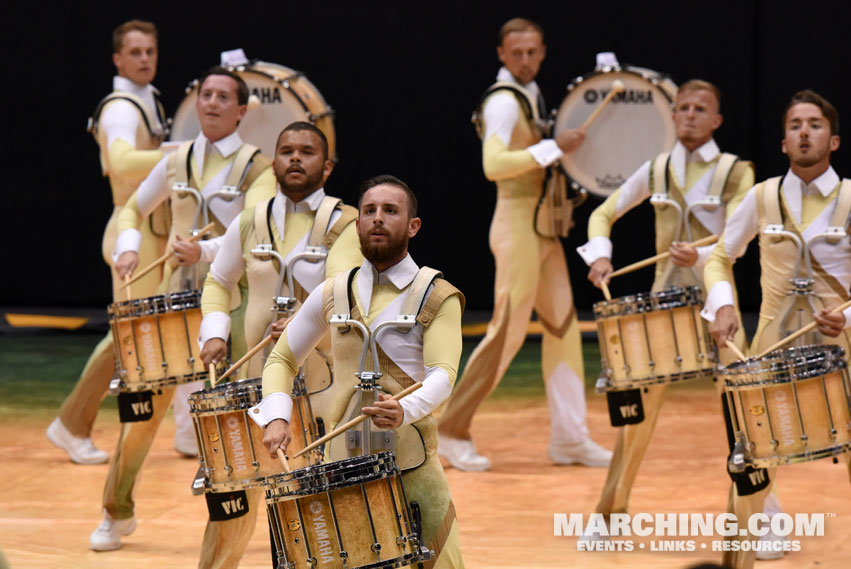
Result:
<point x="285" y="96"/>
<point x="636" y="126"/>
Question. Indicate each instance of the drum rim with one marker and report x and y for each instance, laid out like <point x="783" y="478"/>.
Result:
<point x="694" y="375"/>
<point x="631" y="303"/>
<point x="799" y="457"/>
<point x="169" y="302"/>
<point x="232" y="392"/>
<point x="160" y="382"/>
<point x="316" y="477"/>
<point x="783" y="370"/>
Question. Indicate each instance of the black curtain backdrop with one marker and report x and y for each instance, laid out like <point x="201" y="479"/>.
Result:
<point x="403" y="78"/>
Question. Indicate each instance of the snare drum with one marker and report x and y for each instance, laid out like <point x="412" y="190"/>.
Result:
<point x="793" y="405"/>
<point x="634" y="127"/>
<point x="650" y="338"/>
<point x="233" y="455"/>
<point x="155" y="341"/>
<point x="285" y="96"/>
<point x="348" y="514"/>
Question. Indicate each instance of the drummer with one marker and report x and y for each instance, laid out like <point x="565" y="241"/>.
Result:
<point x="222" y="103"/>
<point x="128" y="125"/>
<point x="811" y="198"/>
<point x="302" y="166"/>
<point x="429" y="352"/>
<point x="531" y="272"/>
<point x="692" y="171"/>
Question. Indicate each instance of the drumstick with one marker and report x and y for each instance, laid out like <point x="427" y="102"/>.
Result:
<point x="348" y="425"/>
<point x="802" y="331"/>
<point x="605" y="288"/>
<point x="127" y="284"/>
<point x="660" y="257"/>
<point x="165" y="257"/>
<point x="246" y="357"/>
<point x="212" y="374"/>
<point x="617" y="87"/>
<point x="283" y="458"/>
<point x="736" y="350"/>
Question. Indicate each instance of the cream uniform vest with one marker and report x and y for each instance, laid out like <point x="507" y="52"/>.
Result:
<point x="263" y="273"/>
<point x="722" y="180"/>
<point x="247" y="165"/>
<point x="396" y="349"/>
<point x="777" y="257"/>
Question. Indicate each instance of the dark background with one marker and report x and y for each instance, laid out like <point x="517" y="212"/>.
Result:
<point x="403" y="78"/>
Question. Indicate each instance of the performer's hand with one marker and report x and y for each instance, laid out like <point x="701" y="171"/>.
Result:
<point x="279" y="326"/>
<point x="570" y="139"/>
<point x="186" y="252"/>
<point x="831" y="324"/>
<point x="214" y="351"/>
<point x="725" y="326"/>
<point x="683" y="254"/>
<point x="386" y="413"/>
<point x="126" y="263"/>
<point x="277" y="436"/>
<point x="600" y="271"/>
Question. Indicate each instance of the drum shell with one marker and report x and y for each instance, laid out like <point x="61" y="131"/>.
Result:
<point x="155" y="340"/>
<point x="788" y="414"/>
<point x="654" y="338"/>
<point x="313" y="513"/>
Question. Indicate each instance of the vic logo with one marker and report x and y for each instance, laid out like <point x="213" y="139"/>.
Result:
<point x="757" y="477"/>
<point x="232" y="506"/>
<point x="629" y="410"/>
<point x="141" y="408"/>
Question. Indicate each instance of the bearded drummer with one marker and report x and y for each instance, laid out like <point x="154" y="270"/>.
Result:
<point x="215" y="159"/>
<point x="129" y="125"/>
<point x="809" y="200"/>
<point x="299" y="211"/>
<point x="428" y="352"/>
<point x="694" y="171"/>
<point x="531" y="272"/>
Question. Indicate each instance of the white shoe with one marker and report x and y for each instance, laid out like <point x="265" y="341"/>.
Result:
<point x="462" y="454"/>
<point x="771" y="554"/>
<point x="107" y="536"/>
<point x="81" y="451"/>
<point x="186" y="444"/>
<point x="586" y="452"/>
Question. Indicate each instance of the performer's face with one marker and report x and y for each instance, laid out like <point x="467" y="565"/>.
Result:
<point x="384" y="224"/>
<point x="217" y="106"/>
<point x="522" y="54"/>
<point x="696" y="117"/>
<point x="807" y="139"/>
<point x="300" y="163"/>
<point x="137" y="60"/>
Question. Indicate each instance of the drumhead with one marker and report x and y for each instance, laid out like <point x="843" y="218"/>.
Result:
<point x="636" y="126"/>
<point x="159" y="304"/>
<point x="331" y="476"/>
<point x="785" y="365"/>
<point x="670" y="298"/>
<point x="285" y="96"/>
<point x="231" y="396"/>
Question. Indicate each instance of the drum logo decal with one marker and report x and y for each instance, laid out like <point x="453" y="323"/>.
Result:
<point x="267" y="95"/>
<point x="757" y="410"/>
<point x="785" y="421"/>
<point x="633" y="96"/>
<point x="294" y="525"/>
<point x="320" y="527"/>
<point x="238" y="450"/>
<point x="147" y="351"/>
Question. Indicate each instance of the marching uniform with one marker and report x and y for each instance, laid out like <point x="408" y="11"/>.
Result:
<point x="128" y="126"/>
<point x="806" y="210"/>
<point x="208" y="167"/>
<point x="704" y="175"/>
<point x="531" y="272"/>
<point x="318" y="222"/>
<point x="428" y="352"/>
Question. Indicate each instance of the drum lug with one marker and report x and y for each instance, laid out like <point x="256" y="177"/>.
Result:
<point x="115" y="386"/>
<point x="737" y="462"/>
<point x="311" y="561"/>
<point x="199" y="484"/>
<point x="602" y="384"/>
<point x="375" y="547"/>
<point x="679" y="360"/>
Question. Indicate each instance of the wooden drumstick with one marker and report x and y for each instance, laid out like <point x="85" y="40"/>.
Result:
<point x="605" y="288"/>
<point x="617" y="87"/>
<point x="801" y="332"/>
<point x="660" y="257"/>
<point x="166" y="257"/>
<point x="212" y="369"/>
<point x="354" y="422"/>
<point x="246" y="357"/>
<point x="127" y="284"/>
<point x="732" y="347"/>
<point x="283" y="458"/>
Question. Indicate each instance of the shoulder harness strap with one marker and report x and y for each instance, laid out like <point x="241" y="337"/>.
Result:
<point x="321" y="220"/>
<point x="343" y="294"/>
<point x="349" y="214"/>
<point x="527" y="103"/>
<point x="441" y="291"/>
<point x="723" y="168"/>
<point x="659" y="173"/>
<point x="262" y="221"/>
<point x="839" y="219"/>
<point x="178" y="164"/>
<point x="771" y="201"/>
<point x="92" y="126"/>
<point x="413" y="302"/>
<point x="241" y="164"/>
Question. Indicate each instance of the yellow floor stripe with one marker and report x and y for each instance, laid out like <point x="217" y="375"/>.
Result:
<point x="535" y="327"/>
<point x="44" y="321"/>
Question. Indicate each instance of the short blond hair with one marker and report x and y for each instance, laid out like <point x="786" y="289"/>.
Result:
<point x="701" y="85"/>
<point x="518" y="25"/>
<point x="147" y="28"/>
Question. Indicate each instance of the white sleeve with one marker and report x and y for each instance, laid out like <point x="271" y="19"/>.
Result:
<point x="151" y="192"/>
<point x="228" y="265"/>
<point x="214" y="325"/>
<point x="847" y="314"/>
<point x="210" y="248"/>
<point x="500" y="116"/>
<point x="545" y="152"/>
<point x="308" y="326"/>
<point x="435" y="390"/>
<point x="120" y="119"/>
<point x="720" y="295"/>
<point x="274" y="406"/>
<point x="597" y="248"/>
<point x="634" y="190"/>
<point x="703" y="254"/>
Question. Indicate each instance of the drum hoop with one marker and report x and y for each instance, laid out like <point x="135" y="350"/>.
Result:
<point x="785" y="366"/>
<point x="799" y="457"/>
<point x="643" y="303"/>
<point x="321" y="478"/>
<point x="241" y="398"/>
<point x="158" y="304"/>
<point x="633" y="383"/>
<point x="160" y="382"/>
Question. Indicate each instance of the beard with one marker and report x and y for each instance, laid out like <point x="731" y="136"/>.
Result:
<point x="310" y="184"/>
<point x="392" y="249"/>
